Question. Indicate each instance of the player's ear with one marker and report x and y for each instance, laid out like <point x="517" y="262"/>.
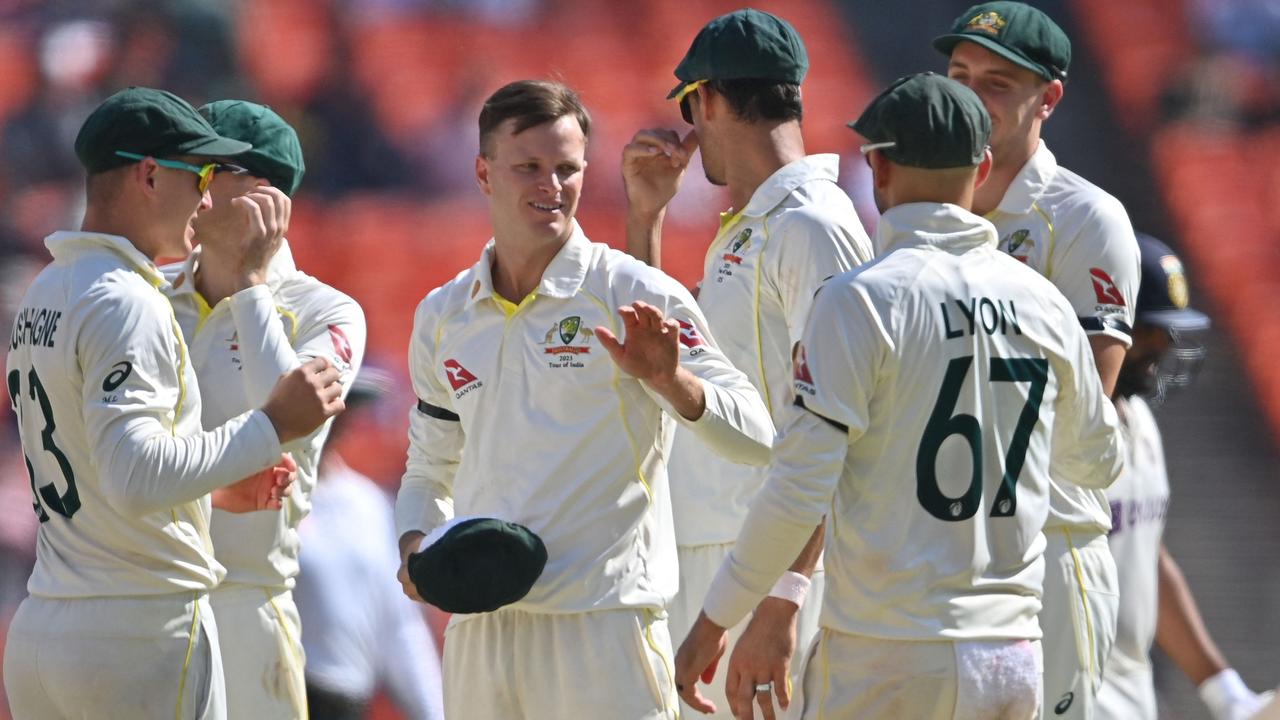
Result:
<point x="881" y="169"/>
<point x="984" y="168"/>
<point x="1050" y="95"/>
<point x="482" y="174"/>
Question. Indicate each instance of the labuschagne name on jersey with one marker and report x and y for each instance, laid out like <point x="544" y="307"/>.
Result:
<point x="35" y="326"/>
<point x="967" y="317"/>
<point x="559" y="341"/>
<point x="733" y="257"/>
<point x="460" y="378"/>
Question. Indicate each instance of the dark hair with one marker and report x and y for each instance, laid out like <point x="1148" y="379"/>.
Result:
<point x="530" y="103"/>
<point x="753" y="100"/>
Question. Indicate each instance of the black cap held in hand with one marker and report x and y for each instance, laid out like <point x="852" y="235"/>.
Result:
<point x="927" y="121"/>
<point x="149" y="122"/>
<point x="479" y="565"/>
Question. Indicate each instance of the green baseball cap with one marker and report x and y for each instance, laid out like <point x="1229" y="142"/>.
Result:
<point x="478" y="565"/>
<point x="746" y="44"/>
<point x="148" y="122"/>
<point x="927" y="121"/>
<point x="1015" y="31"/>
<point x="276" y="154"/>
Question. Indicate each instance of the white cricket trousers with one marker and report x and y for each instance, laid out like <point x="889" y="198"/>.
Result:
<point x="853" y="677"/>
<point x="262" y="657"/>
<point x="698" y="567"/>
<point x="515" y="665"/>
<point x="1081" y="604"/>
<point x="134" y="658"/>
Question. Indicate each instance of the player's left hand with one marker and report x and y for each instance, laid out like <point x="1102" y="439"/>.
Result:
<point x="265" y="213"/>
<point x="652" y="349"/>
<point x="697" y="659"/>
<point x="265" y="490"/>
<point x="762" y="656"/>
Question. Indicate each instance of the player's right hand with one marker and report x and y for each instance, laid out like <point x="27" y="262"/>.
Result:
<point x="264" y="214"/>
<point x="304" y="398"/>
<point x="409" y="543"/>
<point x="653" y="164"/>
<point x="696" y="660"/>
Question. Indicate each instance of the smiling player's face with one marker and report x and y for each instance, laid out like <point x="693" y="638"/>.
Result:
<point x="533" y="179"/>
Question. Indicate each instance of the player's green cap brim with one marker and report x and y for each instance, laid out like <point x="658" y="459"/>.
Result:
<point x="945" y="44"/>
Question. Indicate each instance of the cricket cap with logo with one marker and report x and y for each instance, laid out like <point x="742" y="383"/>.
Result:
<point x="477" y="564"/>
<point x="1015" y="31"/>
<point x="1163" y="297"/>
<point x="926" y="121"/>
<point x="745" y="44"/>
<point x="276" y="155"/>
<point x="149" y="122"/>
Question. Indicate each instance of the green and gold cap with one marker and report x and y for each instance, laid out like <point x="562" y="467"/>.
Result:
<point x="276" y="155"/>
<point x="150" y="122"/>
<point x="1015" y="31"/>
<point x="927" y="121"/>
<point x="745" y="44"/>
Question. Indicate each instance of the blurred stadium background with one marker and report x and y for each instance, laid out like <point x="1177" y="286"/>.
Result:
<point x="1172" y="105"/>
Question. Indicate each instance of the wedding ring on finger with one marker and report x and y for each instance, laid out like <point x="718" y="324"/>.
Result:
<point x="764" y="687"/>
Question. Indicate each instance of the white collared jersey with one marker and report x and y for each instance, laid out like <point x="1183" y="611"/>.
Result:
<point x="239" y="349"/>
<point x="953" y="376"/>
<point x="760" y="276"/>
<point x="1139" y="501"/>
<point x="1080" y="238"/>
<point x="524" y="416"/>
<point x="109" y="415"/>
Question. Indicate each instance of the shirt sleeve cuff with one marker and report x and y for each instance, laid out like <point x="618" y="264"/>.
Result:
<point x="729" y="601"/>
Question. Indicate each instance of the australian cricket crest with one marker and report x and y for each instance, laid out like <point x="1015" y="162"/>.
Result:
<point x="1019" y="244"/>
<point x="560" y="341"/>
<point x="737" y="249"/>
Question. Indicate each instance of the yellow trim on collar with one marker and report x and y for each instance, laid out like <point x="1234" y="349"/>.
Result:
<point x="509" y="308"/>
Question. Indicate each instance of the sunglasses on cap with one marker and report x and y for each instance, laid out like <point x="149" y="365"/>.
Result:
<point x="205" y="172"/>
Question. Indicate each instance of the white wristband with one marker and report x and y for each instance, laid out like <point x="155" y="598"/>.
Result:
<point x="791" y="586"/>
<point x="1222" y="692"/>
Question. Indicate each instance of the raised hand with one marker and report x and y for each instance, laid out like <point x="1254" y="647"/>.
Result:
<point x="653" y="164"/>
<point x="265" y="490"/>
<point x="264" y="216"/>
<point x="652" y="348"/>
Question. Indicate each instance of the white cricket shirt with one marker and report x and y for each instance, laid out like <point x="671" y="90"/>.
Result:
<point x="523" y="416"/>
<point x="929" y="374"/>
<point x="239" y="349"/>
<point x="760" y="276"/>
<point x="1079" y="237"/>
<point x="1139" y="500"/>
<point x="109" y="414"/>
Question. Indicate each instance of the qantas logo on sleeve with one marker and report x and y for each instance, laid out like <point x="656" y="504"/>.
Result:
<point x="803" y="378"/>
<point x="1105" y="288"/>
<point x="689" y="335"/>
<point x="460" y="378"/>
<point x="341" y="345"/>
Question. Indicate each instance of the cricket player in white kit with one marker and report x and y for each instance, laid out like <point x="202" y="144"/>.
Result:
<point x="793" y="227"/>
<point x="249" y="316"/>
<point x="532" y="410"/>
<point x="118" y="623"/>
<point x="1079" y="237"/>
<point x="1156" y="605"/>
<point x="939" y="383"/>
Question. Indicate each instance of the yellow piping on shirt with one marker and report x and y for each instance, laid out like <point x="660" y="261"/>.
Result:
<point x="292" y="317"/>
<point x="203" y="310"/>
<point x="296" y="662"/>
<point x="186" y="661"/>
<point x="764" y="379"/>
<point x="667" y="666"/>
<point x="1048" y="258"/>
<point x="1078" y="566"/>
<point x="622" y="403"/>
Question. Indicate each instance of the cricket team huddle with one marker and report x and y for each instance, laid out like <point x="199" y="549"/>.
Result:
<point x="912" y="475"/>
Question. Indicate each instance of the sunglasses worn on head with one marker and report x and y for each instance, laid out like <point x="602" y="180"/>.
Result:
<point x="205" y="172"/>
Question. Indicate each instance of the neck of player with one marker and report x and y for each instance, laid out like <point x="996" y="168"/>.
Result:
<point x="147" y="238"/>
<point x="754" y="152"/>
<point x="1008" y="160"/>
<point x="519" y="263"/>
